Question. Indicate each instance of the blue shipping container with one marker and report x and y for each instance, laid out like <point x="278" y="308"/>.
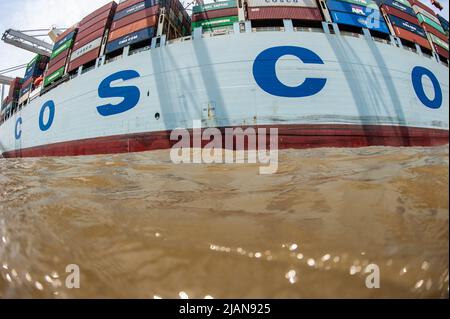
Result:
<point x="399" y="6"/>
<point x="33" y="71"/>
<point x="444" y="23"/>
<point x="359" y="21"/>
<point x="68" y="37"/>
<point x="25" y="90"/>
<point x="129" y="39"/>
<point x="414" y="28"/>
<point x="136" y="8"/>
<point x="347" y="7"/>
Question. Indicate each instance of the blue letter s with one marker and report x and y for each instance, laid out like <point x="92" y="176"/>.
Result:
<point x="130" y="94"/>
<point x="265" y="74"/>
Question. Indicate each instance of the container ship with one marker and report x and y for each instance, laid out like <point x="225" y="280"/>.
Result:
<point x="325" y="73"/>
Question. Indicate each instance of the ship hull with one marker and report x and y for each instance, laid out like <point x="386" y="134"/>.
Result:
<point x="362" y="93"/>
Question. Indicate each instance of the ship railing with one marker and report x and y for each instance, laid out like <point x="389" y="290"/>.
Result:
<point x="183" y="39"/>
<point x="351" y="34"/>
<point x="219" y="32"/>
<point x="146" y="48"/>
<point x="409" y="49"/>
<point x="113" y="59"/>
<point x="268" y="29"/>
<point x="309" y="29"/>
<point x="427" y="55"/>
<point x="381" y="40"/>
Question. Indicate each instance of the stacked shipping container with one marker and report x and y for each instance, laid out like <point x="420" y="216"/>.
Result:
<point x="357" y="13"/>
<point x="431" y="24"/>
<point x="136" y="21"/>
<point x="215" y="16"/>
<point x="11" y="101"/>
<point x="444" y="24"/>
<point x="403" y="22"/>
<point x="178" y="17"/>
<point x="34" y="69"/>
<point x="280" y="9"/>
<point x="59" y="58"/>
<point x="90" y="37"/>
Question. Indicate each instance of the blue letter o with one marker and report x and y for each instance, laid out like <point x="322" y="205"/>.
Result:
<point x="51" y="107"/>
<point x="18" y="133"/>
<point x="417" y="73"/>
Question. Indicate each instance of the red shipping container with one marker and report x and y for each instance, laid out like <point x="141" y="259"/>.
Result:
<point x="82" y="60"/>
<point x="62" y="55"/>
<point x="96" y="20"/>
<point x="295" y="13"/>
<point x="107" y="7"/>
<point x="28" y="82"/>
<point x="62" y="35"/>
<point x="214" y="14"/>
<point x="100" y="25"/>
<point x="435" y="32"/>
<point x="82" y="42"/>
<point x="127" y="4"/>
<point x="395" y="12"/>
<point x="412" y="37"/>
<point x="135" y="17"/>
<point x="441" y="51"/>
<point x="139" y="25"/>
<point x="423" y="6"/>
<point x="7" y="100"/>
<point x="57" y="66"/>
<point x="13" y="86"/>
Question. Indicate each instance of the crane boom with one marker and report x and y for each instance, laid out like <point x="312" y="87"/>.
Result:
<point x="27" y="42"/>
<point x="5" y="80"/>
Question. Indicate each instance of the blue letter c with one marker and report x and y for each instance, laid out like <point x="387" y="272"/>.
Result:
<point x="264" y="72"/>
<point x="17" y="132"/>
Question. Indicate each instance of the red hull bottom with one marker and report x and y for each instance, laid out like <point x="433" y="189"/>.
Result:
<point x="290" y="137"/>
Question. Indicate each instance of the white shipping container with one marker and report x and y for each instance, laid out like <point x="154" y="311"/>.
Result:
<point x="24" y="97"/>
<point x="85" y="49"/>
<point x="282" y="3"/>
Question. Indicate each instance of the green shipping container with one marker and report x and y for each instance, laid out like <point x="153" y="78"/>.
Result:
<point x="424" y="19"/>
<point x="405" y="3"/>
<point x="364" y="3"/>
<point x="37" y="58"/>
<point x="438" y="41"/>
<point x="54" y="76"/>
<point x="61" y="49"/>
<point x="215" y="6"/>
<point x="215" y="23"/>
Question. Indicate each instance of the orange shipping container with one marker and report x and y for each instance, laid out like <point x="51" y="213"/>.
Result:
<point x="139" y="25"/>
<point x="412" y="37"/>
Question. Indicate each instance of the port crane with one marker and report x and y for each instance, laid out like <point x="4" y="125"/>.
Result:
<point x="28" y="40"/>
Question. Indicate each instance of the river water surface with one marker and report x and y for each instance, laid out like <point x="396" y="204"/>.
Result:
<point x="139" y="226"/>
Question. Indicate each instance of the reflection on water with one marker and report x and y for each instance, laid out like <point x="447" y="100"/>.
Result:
<point x="139" y="226"/>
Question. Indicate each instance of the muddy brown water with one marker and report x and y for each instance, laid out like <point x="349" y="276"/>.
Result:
<point x="139" y="226"/>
